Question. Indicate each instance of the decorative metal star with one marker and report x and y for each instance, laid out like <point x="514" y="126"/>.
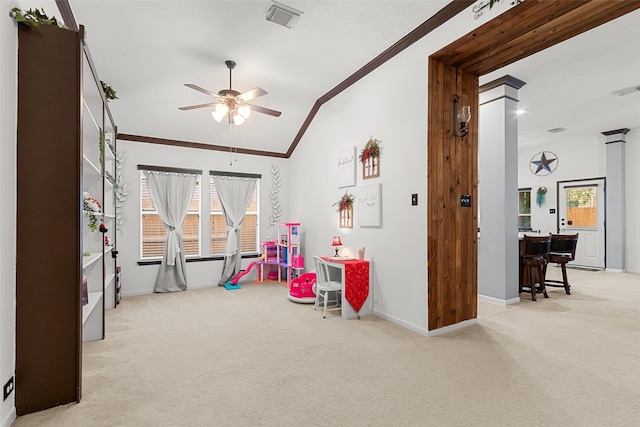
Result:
<point x="543" y="163"/>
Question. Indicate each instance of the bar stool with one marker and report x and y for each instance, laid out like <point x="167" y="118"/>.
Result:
<point x="534" y="260"/>
<point x="563" y="250"/>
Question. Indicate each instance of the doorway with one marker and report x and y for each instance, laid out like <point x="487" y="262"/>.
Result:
<point x="453" y="73"/>
<point x="581" y="210"/>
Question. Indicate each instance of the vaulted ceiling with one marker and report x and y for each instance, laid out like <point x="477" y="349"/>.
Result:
<point x="148" y="50"/>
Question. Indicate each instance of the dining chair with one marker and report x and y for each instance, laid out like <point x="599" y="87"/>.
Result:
<point x="534" y="259"/>
<point x="324" y="285"/>
<point x="562" y="251"/>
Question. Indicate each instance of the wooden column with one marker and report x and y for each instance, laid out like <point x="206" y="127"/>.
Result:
<point x="452" y="174"/>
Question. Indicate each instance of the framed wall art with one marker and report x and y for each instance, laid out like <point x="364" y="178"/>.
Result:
<point x="346" y="167"/>
<point x="369" y="200"/>
<point x="370" y="159"/>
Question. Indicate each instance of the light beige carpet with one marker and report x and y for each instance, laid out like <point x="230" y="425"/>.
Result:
<point x="250" y="357"/>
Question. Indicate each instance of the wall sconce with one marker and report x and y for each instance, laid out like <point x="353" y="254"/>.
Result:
<point x="336" y="243"/>
<point x="461" y="117"/>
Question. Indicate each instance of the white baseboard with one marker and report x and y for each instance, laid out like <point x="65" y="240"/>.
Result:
<point x="613" y="270"/>
<point x="206" y="285"/>
<point x="406" y="325"/>
<point x="9" y="419"/>
<point x="451" y="328"/>
<point x="498" y="301"/>
<point x="147" y="292"/>
<point x="422" y="331"/>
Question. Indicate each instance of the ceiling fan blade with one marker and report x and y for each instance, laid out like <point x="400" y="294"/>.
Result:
<point x="201" y="89"/>
<point x="264" y="110"/>
<point x="252" y="94"/>
<point x="193" y="107"/>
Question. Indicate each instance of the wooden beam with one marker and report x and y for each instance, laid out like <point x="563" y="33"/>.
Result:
<point x="198" y="145"/>
<point x="527" y="29"/>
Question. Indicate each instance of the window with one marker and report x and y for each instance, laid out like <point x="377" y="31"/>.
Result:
<point x="248" y="234"/>
<point x="153" y="232"/>
<point x="524" y="209"/>
<point x="581" y="206"/>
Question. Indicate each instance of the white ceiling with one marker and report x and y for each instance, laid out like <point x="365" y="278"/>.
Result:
<point x="147" y="50"/>
<point x="570" y="84"/>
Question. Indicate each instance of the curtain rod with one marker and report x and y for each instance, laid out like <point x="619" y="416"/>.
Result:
<point x="168" y="169"/>
<point x="236" y="174"/>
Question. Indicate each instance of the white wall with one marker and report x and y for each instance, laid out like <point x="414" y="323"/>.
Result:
<point x="138" y="279"/>
<point x="390" y="105"/>
<point x="577" y="159"/>
<point x="397" y="250"/>
<point x="8" y="87"/>
<point x="583" y="158"/>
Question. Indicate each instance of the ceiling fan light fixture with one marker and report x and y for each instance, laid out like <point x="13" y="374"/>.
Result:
<point x="231" y="103"/>
<point x="221" y="109"/>
<point x="237" y="118"/>
<point x="217" y="116"/>
<point x="244" y="111"/>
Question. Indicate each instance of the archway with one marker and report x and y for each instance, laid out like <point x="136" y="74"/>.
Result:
<point x="452" y="161"/>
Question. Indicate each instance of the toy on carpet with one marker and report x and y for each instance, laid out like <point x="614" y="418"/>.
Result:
<point x="302" y="288"/>
<point x="233" y="283"/>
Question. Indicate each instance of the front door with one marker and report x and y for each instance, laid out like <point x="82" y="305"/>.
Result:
<point x="581" y="210"/>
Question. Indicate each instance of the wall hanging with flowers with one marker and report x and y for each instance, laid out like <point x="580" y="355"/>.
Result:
<point x="370" y="159"/>
<point x="91" y="207"/>
<point x="345" y="210"/>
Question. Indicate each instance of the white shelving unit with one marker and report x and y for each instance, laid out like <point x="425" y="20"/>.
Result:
<point x="98" y="164"/>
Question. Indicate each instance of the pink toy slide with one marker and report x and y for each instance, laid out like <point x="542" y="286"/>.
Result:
<point x="233" y="283"/>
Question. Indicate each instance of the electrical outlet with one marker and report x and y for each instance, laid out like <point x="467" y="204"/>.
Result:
<point x="7" y="389"/>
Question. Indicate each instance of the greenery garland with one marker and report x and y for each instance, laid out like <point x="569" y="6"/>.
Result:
<point x="35" y="17"/>
<point x="90" y="214"/>
<point x="108" y="91"/>
<point x="101" y="148"/>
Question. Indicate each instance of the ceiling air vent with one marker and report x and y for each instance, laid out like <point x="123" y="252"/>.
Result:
<point x="283" y="15"/>
<point x="556" y="130"/>
<point x="626" y="90"/>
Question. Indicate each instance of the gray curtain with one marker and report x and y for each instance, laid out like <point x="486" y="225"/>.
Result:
<point x="235" y="195"/>
<point x="171" y="194"/>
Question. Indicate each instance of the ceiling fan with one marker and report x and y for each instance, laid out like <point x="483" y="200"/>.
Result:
<point x="231" y="103"/>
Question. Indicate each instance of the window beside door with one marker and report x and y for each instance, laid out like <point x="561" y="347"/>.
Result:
<point x="524" y="209"/>
<point x="581" y="207"/>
